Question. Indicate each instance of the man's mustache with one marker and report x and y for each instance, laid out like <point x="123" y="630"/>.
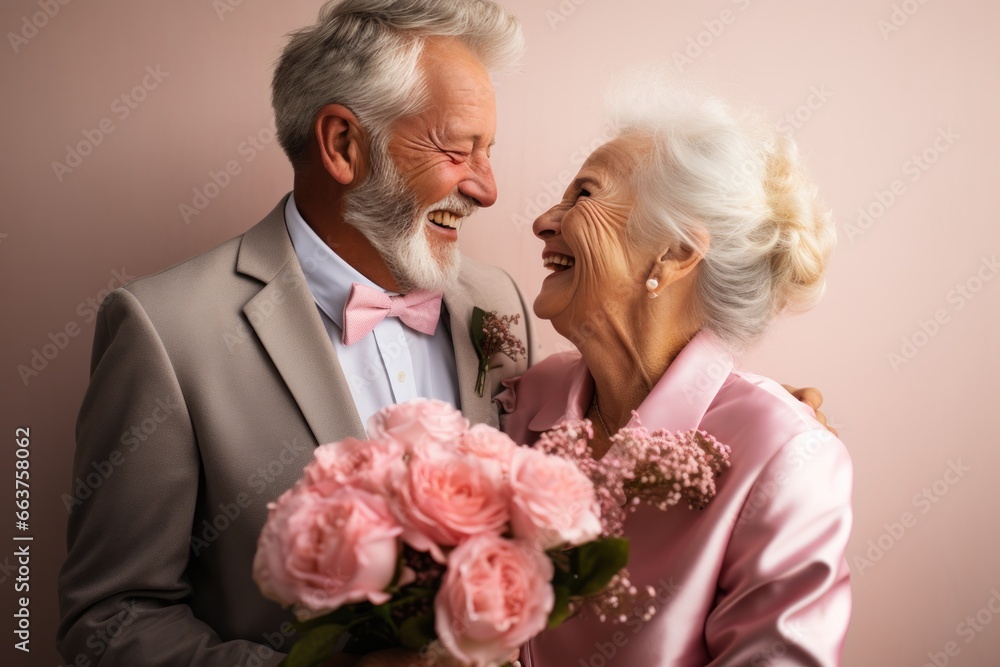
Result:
<point x="458" y="203"/>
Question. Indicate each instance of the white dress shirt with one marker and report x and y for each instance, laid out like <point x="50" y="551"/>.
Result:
<point x="393" y="363"/>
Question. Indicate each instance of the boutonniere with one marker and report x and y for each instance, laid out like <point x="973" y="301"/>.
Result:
<point x="491" y="336"/>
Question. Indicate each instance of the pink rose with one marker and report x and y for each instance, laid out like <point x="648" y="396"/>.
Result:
<point x="444" y="497"/>
<point x="418" y="423"/>
<point x="323" y="551"/>
<point x="495" y="596"/>
<point x="366" y="464"/>
<point x="488" y="443"/>
<point x="552" y="502"/>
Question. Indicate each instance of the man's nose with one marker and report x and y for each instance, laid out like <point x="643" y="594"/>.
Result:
<point x="480" y="185"/>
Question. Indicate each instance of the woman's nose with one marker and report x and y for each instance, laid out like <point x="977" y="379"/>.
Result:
<point x="548" y="224"/>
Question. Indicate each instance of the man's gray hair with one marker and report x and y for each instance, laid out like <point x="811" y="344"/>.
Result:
<point x="728" y="173"/>
<point x="364" y="54"/>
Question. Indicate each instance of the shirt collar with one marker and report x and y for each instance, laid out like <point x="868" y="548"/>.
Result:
<point x="678" y="402"/>
<point x="328" y="276"/>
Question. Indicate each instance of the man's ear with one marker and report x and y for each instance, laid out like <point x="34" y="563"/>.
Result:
<point x="342" y="144"/>
<point x="677" y="261"/>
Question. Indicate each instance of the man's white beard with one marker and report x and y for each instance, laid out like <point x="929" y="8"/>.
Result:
<point x="385" y="211"/>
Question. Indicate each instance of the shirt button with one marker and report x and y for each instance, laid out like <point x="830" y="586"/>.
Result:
<point x="401" y="376"/>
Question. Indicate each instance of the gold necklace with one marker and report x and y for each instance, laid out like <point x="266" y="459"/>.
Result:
<point x="600" y="417"/>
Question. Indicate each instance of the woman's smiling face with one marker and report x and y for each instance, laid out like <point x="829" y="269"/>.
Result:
<point x="593" y="265"/>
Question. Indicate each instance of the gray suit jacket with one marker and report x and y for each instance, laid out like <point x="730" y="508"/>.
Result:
<point x="211" y="383"/>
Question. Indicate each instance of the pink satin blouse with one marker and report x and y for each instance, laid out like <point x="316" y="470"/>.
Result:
<point x="759" y="577"/>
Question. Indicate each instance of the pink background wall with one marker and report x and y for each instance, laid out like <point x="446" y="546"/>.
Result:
<point x="886" y="89"/>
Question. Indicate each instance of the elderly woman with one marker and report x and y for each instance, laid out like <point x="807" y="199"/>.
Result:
<point x="673" y="249"/>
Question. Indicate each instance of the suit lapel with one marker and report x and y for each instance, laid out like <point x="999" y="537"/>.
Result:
<point x="287" y="322"/>
<point x="478" y="409"/>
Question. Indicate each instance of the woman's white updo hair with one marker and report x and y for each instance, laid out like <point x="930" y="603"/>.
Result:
<point x="733" y="175"/>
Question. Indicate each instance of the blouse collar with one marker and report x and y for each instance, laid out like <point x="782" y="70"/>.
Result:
<point x="678" y="401"/>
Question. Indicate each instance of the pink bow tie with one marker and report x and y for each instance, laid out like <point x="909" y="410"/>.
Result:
<point x="366" y="307"/>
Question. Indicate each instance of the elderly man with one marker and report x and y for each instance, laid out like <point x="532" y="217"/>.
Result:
<point x="213" y="381"/>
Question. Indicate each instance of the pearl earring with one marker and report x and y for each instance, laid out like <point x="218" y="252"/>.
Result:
<point x="651" y="285"/>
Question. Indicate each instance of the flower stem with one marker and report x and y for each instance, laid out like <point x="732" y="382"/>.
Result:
<point x="484" y="368"/>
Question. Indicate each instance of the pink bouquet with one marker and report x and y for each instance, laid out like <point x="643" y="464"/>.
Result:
<point x="435" y="536"/>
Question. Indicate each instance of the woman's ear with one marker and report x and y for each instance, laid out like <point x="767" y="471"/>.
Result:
<point x="675" y="262"/>
<point x="342" y="145"/>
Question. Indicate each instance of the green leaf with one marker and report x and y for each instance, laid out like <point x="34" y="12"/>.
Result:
<point x="417" y="632"/>
<point x="596" y="562"/>
<point x="384" y="613"/>
<point x="563" y="574"/>
<point x="315" y="647"/>
<point x="476" y="330"/>
<point x="397" y="575"/>
<point x="346" y="615"/>
<point x="560" y="611"/>
<point x="414" y="593"/>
